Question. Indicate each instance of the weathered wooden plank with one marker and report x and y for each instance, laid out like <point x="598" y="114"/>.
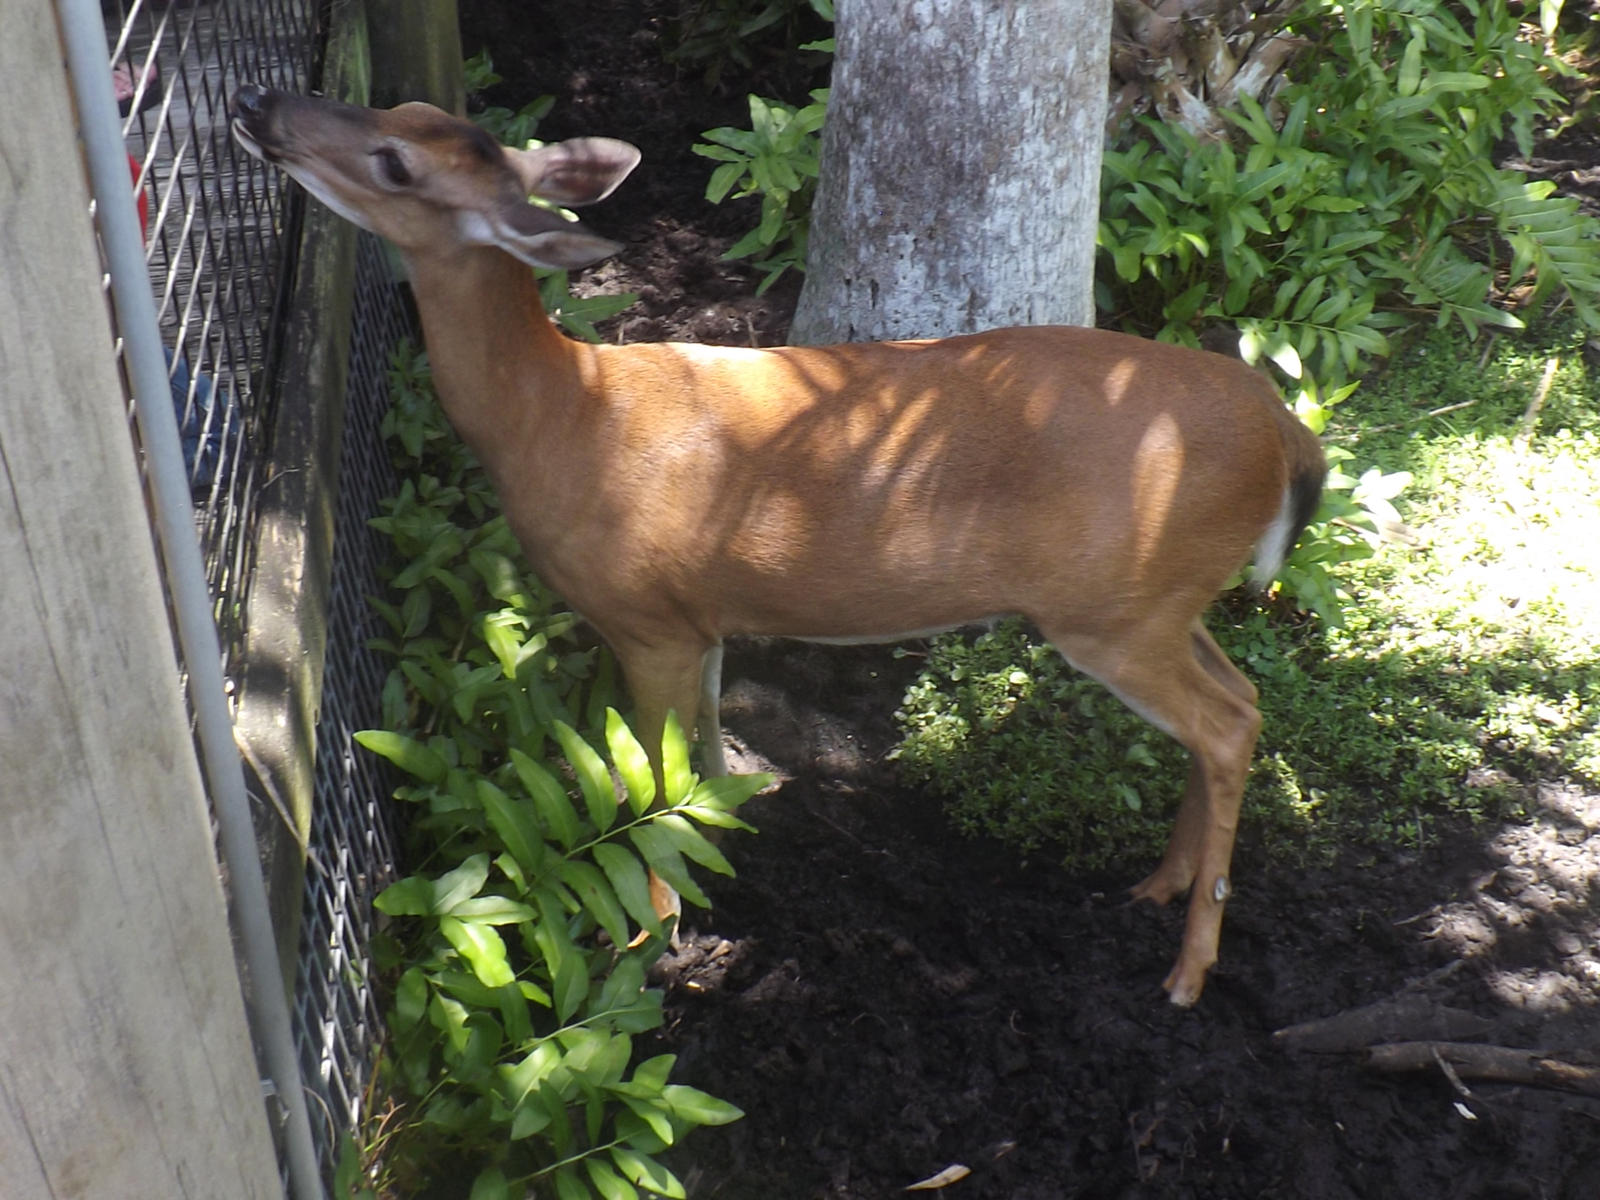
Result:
<point x="125" y="1064"/>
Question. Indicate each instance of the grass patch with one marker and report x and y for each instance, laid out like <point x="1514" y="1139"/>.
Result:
<point x="1464" y="672"/>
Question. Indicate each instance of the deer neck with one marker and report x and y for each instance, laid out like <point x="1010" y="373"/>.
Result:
<point x="501" y="369"/>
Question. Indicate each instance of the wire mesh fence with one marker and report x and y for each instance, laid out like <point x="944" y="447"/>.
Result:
<point x="220" y="233"/>
<point x="337" y="1022"/>
<point x="218" y="239"/>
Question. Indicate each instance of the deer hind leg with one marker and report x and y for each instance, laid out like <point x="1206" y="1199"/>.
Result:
<point x="1182" y="858"/>
<point x="1184" y="685"/>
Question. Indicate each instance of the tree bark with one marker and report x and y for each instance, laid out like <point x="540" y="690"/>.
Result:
<point x="960" y="174"/>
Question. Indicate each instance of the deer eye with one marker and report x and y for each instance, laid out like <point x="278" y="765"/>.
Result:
<point x="392" y="167"/>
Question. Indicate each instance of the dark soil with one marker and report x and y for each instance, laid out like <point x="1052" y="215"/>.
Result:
<point x="886" y="999"/>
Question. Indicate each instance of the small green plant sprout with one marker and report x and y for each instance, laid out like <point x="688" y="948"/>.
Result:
<point x="777" y="159"/>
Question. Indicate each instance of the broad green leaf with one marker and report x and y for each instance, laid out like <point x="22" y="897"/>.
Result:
<point x="465" y="881"/>
<point x="728" y="792"/>
<point x="520" y="1080"/>
<point x="655" y="1116"/>
<point x="593" y="778"/>
<point x="570" y="1186"/>
<point x="482" y="947"/>
<point x="630" y="883"/>
<point x="500" y="575"/>
<point x="1410" y="77"/>
<point x="410" y="755"/>
<point x="515" y="824"/>
<point x="657" y="847"/>
<point x="693" y="844"/>
<point x="691" y="1104"/>
<point x="607" y="1182"/>
<point x="490" y="1185"/>
<point x="492" y="910"/>
<point x="549" y="799"/>
<point x="597" y="897"/>
<point x="677" y="777"/>
<point x="632" y="763"/>
<point x="648" y="1173"/>
<point x="409" y="897"/>
<point x="410" y="999"/>
<point x="569" y="973"/>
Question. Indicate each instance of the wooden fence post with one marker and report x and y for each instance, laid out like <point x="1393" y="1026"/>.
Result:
<point x="125" y="1063"/>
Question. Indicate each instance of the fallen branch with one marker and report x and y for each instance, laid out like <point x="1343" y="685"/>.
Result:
<point x="1403" y="1019"/>
<point x="1496" y="1064"/>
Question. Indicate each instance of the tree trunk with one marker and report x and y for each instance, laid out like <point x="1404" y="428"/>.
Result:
<point x="960" y="174"/>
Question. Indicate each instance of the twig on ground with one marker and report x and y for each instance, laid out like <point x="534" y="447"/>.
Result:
<point x="1496" y="1064"/>
<point x="1531" y="417"/>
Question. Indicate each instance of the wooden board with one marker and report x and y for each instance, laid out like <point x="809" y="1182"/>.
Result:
<point x="126" y="1067"/>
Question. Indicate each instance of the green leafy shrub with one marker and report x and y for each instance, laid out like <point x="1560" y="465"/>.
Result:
<point x="714" y="33"/>
<point x="513" y="128"/>
<point x="1371" y="202"/>
<point x="776" y="159"/>
<point x="519" y="993"/>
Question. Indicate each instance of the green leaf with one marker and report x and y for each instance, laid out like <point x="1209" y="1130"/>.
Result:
<point x="727" y="792"/>
<point x="655" y="1117"/>
<point x="629" y="882"/>
<point x="483" y="949"/>
<point x="549" y="799"/>
<point x="658" y="849"/>
<point x="596" y="895"/>
<point x="516" y="826"/>
<point x="568" y="969"/>
<point x="593" y="778"/>
<point x="570" y="1186"/>
<point x="409" y="897"/>
<point x="490" y="1185"/>
<point x="696" y="1106"/>
<point x="465" y="881"/>
<point x="492" y="910"/>
<point x="648" y="1173"/>
<point x="632" y="763"/>
<point x="607" y="1182"/>
<point x="410" y="999"/>
<point x="693" y="844"/>
<point x="1410" y="77"/>
<point x="406" y="753"/>
<point x="677" y="777"/>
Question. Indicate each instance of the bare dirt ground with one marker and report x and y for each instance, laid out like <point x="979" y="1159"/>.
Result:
<point x="886" y="999"/>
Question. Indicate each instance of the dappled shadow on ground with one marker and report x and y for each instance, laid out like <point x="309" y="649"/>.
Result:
<point x="886" y="999"/>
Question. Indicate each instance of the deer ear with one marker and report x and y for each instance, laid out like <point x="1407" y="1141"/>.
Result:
<point x="577" y="171"/>
<point x="540" y="238"/>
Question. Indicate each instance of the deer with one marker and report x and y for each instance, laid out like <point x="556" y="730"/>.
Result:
<point x="1103" y="486"/>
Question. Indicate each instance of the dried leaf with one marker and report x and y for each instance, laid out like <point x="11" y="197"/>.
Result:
<point x="954" y="1173"/>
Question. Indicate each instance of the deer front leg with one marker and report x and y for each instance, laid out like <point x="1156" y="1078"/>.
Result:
<point x="668" y="678"/>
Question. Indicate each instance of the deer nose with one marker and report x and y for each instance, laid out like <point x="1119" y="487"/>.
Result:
<point x="249" y="100"/>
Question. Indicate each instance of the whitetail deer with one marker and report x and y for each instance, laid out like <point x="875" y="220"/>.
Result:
<point x="1103" y="486"/>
